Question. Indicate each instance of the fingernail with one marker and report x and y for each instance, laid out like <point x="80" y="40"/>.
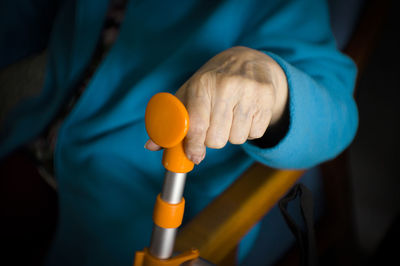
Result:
<point x="197" y="159"/>
<point x="145" y="145"/>
<point x="192" y="158"/>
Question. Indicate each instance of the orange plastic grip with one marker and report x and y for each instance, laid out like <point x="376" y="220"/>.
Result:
<point x="167" y="123"/>
<point x="144" y="258"/>
<point x="175" y="160"/>
<point x="167" y="215"/>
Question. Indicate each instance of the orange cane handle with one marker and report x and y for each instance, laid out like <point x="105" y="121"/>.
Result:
<point x="167" y="123"/>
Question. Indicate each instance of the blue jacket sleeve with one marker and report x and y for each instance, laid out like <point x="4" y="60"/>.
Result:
<point x="323" y="113"/>
<point x="25" y="27"/>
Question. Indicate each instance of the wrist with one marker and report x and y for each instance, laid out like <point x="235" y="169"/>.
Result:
<point x="280" y="84"/>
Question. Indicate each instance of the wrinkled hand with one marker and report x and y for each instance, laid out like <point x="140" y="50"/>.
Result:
<point x="234" y="96"/>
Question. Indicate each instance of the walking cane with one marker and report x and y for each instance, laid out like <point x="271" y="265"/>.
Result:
<point x="167" y="123"/>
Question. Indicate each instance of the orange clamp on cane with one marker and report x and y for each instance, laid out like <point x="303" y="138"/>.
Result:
<point x="167" y="123"/>
<point x="145" y="258"/>
<point x="168" y="215"/>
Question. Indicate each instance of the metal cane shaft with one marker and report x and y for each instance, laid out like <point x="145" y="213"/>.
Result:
<point x="174" y="185"/>
<point x="163" y="239"/>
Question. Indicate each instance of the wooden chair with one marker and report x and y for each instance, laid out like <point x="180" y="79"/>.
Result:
<point x="216" y="234"/>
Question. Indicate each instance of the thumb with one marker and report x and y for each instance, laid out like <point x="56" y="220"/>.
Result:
<point x="151" y="146"/>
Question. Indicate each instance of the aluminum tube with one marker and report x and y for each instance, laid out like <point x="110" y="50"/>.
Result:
<point x="174" y="184"/>
<point x="163" y="239"/>
<point x="162" y="242"/>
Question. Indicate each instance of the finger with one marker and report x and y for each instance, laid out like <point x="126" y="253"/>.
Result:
<point x="242" y="119"/>
<point x="150" y="145"/>
<point x="198" y="106"/>
<point x="220" y="123"/>
<point x="259" y="124"/>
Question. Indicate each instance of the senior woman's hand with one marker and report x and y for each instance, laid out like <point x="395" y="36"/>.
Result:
<point x="233" y="97"/>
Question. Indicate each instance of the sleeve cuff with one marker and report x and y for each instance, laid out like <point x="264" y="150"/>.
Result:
<point x="305" y="143"/>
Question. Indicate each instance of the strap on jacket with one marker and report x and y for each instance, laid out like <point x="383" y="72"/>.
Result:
<point x="305" y="235"/>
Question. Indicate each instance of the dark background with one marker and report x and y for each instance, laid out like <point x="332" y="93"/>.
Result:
<point x="374" y="154"/>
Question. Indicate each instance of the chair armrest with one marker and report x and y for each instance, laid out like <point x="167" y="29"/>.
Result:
<point x="217" y="229"/>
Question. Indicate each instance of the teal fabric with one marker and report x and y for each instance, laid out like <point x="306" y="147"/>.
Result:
<point x="107" y="180"/>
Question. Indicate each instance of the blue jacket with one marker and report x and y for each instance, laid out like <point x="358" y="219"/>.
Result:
<point x="107" y="180"/>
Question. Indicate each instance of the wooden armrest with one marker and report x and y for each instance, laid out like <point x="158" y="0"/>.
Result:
<point x="217" y="230"/>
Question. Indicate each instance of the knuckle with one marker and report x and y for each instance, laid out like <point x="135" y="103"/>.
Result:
<point x="194" y="148"/>
<point x="204" y="78"/>
<point x="267" y="91"/>
<point x="244" y="113"/>
<point x="256" y="134"/>
<point x="197" y="129"/>
<point x="215" y="142"/>
<point x="232" y="79"/>
<point x="224" y="85"/>
<point x="248" y="68"/>
<point x="259" y="127"/>
<point x="238" y="135"/>
<point x="195" y="92"/>
<point x="237" y="140"/>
